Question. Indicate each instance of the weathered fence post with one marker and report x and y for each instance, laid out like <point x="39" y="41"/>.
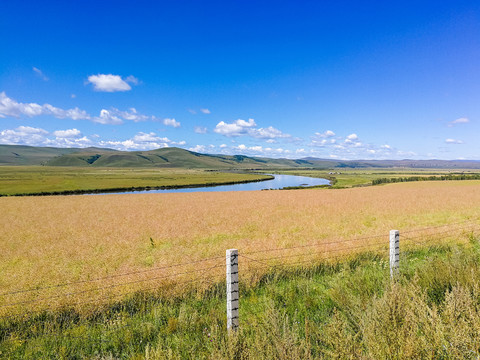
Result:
<point x="394" y="252"/>
<point x="232" y="289"/>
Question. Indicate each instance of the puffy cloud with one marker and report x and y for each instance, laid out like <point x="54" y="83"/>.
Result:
<point x="350" y="139"/>
<point x="24" y="135"/>
<point x="68" y="142"/>
<point x="237" y="128"/>
<point x="198" y="148"/>
<point x="107" y="118"/>
<point x="205" y="111"/>
<point x="141" y="141"/>
<point x="171" y="122"/>
<point x="268" y="133"/>
<point x="200" y="130"/>
<point x="131" y="114"/>
<point x="248" y="128"/>
<point x="70" y="133"/>
<point x="453" y="141"/>
<point x="40" y="73"/>
<point x="10" y="107"/>
<point x="111" y="83"/>
<point x="326" y="134"/>
<point x="114" y="116"/>
<point x="323" y="139"/>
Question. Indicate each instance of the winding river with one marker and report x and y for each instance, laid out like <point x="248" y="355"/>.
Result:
<point x="279" y="182"/>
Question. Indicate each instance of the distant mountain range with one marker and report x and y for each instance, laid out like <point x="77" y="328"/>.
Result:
<point x="180" y="158"/>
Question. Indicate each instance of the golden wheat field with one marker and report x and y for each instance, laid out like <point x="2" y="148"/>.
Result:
<point x="67" y="250"/>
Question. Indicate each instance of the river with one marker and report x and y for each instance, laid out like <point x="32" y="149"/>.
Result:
<point x="279" y="182"/>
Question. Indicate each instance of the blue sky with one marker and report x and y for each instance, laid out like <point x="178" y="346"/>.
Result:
<point x="328" y="79"/>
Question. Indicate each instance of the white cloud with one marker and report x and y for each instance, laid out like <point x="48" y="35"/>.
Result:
<point x="141" y="141"/>
<point x="10" y="107"/>
<point x="351" y="138"/>
<point x="111" y="83"/>
<point x="223" y="146"/>
<point x="198" y="148"/>
<point x="326" y="134"/>
<point x="237" y="128"/>
<point x="205" y="111"/>
<point x="70" y="133"/>
<point x="131" y="114"/>
<point x="459" y="121"/>
<point x="200" y="130"/>
<point x="268" y="133"/>
<point x="68" y="142"/>
<point x="248" y="128"/>
<point x="453" y="141"/>
<point x="171" y="122"/>
<point x="25" y="135"/>
<point x="40" y="73"/>
<point x="107" y="118"/>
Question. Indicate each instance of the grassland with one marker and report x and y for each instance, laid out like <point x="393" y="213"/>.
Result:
<point x="99" y="271"/>
<point x="29" y="180"/>
<point x="50" y="240"/>
<point x="345" y="178"/>
<point x="347" y="310"/>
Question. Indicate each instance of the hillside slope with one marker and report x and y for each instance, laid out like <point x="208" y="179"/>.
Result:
<point x="172" y="157"/>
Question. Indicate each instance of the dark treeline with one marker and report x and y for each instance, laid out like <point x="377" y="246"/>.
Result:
<point x="427" y="178"/>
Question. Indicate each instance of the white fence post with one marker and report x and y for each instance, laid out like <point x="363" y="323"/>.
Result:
<point x="232" y="289"/>
<point x="394" y="252"/>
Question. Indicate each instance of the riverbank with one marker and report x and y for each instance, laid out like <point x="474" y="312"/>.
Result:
<point x="41" y="180"/>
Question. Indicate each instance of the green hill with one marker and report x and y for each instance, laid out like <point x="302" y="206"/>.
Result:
<point x="172" y="157"/>
<point x="169" y="158"/>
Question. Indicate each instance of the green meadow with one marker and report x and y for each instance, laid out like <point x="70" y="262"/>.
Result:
<point x="43" y="180"/>
<point x="345" y="178"/>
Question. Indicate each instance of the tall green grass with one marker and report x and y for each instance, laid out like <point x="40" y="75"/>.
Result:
<point x="346" y="310"/>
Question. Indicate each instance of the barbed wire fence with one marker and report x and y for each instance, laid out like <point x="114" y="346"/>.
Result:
<point x="242" y="268"/>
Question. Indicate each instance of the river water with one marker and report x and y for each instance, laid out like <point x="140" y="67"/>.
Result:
<point x="280" y="181"/>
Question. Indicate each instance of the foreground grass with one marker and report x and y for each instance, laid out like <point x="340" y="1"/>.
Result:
<point x="340" y="310"/>
<point x="27" y="180"/>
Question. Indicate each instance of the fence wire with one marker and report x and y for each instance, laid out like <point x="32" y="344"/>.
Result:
<point x="258" y="260"/>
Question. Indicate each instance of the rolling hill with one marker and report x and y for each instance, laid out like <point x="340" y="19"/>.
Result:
<point x="172" y="157"/>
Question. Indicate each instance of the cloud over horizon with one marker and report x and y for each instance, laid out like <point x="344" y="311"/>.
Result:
<point x="248" y="128"/>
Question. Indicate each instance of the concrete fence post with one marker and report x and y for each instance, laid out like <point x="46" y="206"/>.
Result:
<point x="394" y="252"/>
<point x="232" y="289"/>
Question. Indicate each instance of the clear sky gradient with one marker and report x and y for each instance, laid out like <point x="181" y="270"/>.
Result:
<point x="327" y="79"/>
